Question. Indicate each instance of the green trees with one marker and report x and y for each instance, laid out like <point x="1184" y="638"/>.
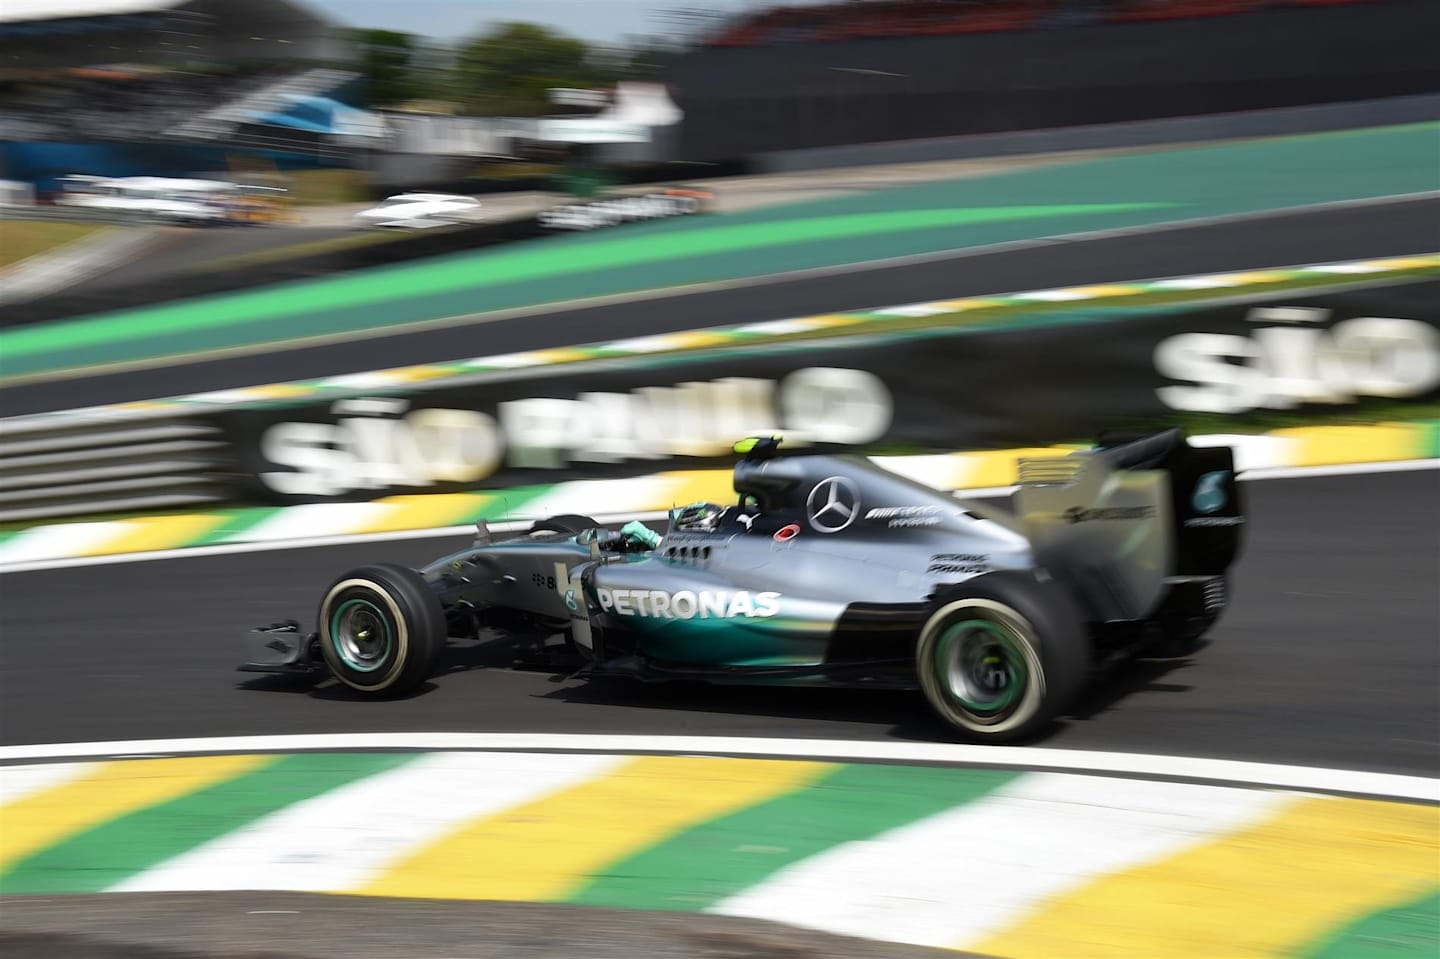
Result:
<point x="504" y="71"/>
<point x="386" y="60"/>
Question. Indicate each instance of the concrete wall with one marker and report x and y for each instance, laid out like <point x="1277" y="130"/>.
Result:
<point x="1108" y="136"/>
<point x="740" y="101"/>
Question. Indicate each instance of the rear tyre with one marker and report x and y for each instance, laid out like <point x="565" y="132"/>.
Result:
<point x="1002" y="655"/>
<point x="381" y="630"/>
<point x="571" y="523"/>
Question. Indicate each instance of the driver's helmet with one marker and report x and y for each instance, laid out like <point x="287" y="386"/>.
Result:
<point x="701" y="516"/>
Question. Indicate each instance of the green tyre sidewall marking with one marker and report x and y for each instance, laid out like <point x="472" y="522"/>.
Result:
<point x="931" y="663"/>
<point x="1014" y="660"/>
<point x="383" y="676"/>
<point x="339" y="647"/>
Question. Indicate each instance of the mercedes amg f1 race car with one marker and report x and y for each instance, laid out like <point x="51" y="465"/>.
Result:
<point x="829" y="570"/>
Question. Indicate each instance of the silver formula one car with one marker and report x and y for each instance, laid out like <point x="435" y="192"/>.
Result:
<point x="829" y="570"/>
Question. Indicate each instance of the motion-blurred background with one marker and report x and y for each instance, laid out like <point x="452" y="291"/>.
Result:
<point x="467" y="194"/>
<point x="290" y="286"/>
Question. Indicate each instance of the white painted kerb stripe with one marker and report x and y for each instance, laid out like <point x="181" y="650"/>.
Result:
<point x="67" y="539"/>
<point x="17" y="782"/>
<point x="316" y="519"/>
<point x="1012" y="757"/>
<point x="344" y="838"/>
<point x="964" y="874"/>
<point x="632" y="494"/>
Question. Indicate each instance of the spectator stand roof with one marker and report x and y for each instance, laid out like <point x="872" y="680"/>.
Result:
<point x="38" y="11"/>
<point x="60" y="33"/>
<point x="23" y="11"/>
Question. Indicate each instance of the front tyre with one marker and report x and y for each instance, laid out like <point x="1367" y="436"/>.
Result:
<point x="382" y="630"/>
<point x="1001" y="655"/>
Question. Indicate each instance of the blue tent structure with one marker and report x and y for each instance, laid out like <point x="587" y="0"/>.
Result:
<point x="319" y="114"/>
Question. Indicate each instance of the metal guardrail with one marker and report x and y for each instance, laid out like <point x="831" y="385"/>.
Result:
<point x="67" y="214"/>
<point x="51" y="467"/>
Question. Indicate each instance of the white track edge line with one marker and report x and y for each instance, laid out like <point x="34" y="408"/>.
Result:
<point x="1271" y="775"/>
<point x="440" y="532"/>
<point x="1338" y="469"/>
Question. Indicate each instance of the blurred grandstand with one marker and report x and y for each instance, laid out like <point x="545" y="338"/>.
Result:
<point x="86" y="85"/>
<point x="121" y="88"/>
<point x="72" y="33"/>
<point x="127" y="88"/>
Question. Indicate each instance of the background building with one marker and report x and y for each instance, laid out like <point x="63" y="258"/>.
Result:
<point x="876" y="70"/>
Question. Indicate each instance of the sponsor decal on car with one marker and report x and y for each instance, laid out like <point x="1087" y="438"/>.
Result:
<point x="689" y="537"/>
<point x="1079" y="514"/>
<point x="901" y="517"/>
<point x="959" y="563"/>
<point x="689" y="604"/>
<point x="1209" y="495"/>
<point x="833" y="504"/>
<point x="1202" y="521"/>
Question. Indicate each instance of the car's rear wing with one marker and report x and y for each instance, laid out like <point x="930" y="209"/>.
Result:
<point x="1131" y="516"/>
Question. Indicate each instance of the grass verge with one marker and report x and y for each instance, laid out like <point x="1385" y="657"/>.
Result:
<point x="22" y="239"/>
<point x="327" y="187"/>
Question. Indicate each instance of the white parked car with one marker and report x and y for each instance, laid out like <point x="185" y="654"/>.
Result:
<point x="150" y="199"/>
<point x="420" y="211"/>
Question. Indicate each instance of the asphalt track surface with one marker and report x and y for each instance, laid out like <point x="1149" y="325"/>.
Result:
<point x="1330" y="655"/>
<point x="291" y="925"/>
<point x="1368" y="230"/>
<point x="193" y="249"/>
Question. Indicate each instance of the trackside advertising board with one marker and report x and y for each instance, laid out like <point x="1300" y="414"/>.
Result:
<point x="935" y="389"/>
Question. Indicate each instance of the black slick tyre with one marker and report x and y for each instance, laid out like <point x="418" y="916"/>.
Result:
<point x="381" y="630"/>
<point x="1001" y="655"/>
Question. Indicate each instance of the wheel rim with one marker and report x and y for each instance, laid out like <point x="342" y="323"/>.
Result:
<point x="361" y="635"/>
<point x="985" y="669"/>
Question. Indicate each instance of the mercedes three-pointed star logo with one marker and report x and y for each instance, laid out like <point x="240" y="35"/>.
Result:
<point x="833" y="504"/>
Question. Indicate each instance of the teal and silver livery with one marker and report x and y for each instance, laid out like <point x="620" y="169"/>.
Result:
<point x="830" y="570"/>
